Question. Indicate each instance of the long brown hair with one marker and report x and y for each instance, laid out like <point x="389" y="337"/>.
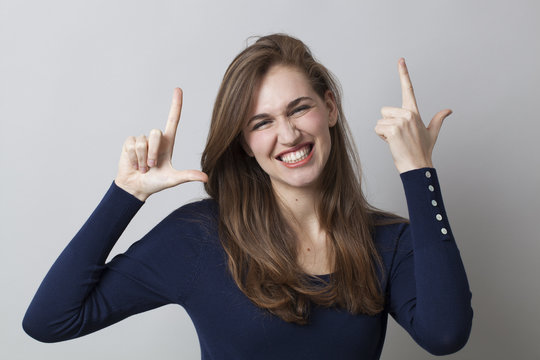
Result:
<point x="260" y="244"/>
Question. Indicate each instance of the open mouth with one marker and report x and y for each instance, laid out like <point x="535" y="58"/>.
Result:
<point x="296" y="156"/>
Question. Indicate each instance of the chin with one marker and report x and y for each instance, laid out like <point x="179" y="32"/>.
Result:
<point x="301" y="182"/>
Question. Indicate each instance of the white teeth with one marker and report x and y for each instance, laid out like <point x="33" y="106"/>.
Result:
<point x="296" y="156"/>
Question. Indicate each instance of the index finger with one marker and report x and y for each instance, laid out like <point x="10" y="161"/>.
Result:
<point x="407" y="93"/>
<point x="174" y="114"/>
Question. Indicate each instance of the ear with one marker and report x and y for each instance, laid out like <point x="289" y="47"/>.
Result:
<point x="244" y="145"/>
<point x="330" y="102"/>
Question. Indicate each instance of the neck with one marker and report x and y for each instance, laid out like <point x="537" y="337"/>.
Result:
<point x="299" y="208"/>
<point x="298" y="205"/>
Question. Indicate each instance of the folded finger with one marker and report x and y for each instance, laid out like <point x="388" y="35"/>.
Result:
<point x="382" y="129"/>
<point x="154" y="140"/>
<point x="141" y="148"/>
<point x="389" y="129"/>
<point x="129" y="148"/>
<point x="395" y="112"/>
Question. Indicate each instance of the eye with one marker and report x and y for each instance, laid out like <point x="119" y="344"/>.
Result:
<point x="260" y="124"/>
<point x="299" y="110"/>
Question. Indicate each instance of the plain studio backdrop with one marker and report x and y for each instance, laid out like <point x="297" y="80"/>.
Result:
<point x="78" y="77"/>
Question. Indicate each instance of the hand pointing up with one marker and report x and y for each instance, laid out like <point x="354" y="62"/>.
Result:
<point x="145" y="165"/>
<point x="410" y="141"/>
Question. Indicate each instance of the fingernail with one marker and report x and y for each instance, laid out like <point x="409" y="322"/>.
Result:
<point x="143" y="169"/>
<point x="151" y="163"/>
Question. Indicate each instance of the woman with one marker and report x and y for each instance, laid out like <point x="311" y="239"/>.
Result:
<point x="286" y="259"/>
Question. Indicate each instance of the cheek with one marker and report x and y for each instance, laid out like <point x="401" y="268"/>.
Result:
<point x="315" y="122"/>
<point x="317" y="126"/>
<point x="259" y="144"/>
<point x="245" y="143"/>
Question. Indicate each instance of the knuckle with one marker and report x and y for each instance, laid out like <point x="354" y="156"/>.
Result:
<point x="155" y="132"/>
<point x="395" y="130"/>
<point x="130" y="146"/>
<point x="140" y="146"/>
<point x="130" y="140"/>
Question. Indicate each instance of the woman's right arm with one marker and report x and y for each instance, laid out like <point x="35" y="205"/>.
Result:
<point x="80" y="294"/>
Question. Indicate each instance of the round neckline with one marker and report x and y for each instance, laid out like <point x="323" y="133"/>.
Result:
<point x="324" y="276"/>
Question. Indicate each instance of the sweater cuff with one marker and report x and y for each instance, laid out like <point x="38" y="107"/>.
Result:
<point x="429" y="222"/>
<point x="123" y="197"/>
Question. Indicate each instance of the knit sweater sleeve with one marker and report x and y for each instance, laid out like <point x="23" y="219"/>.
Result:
<point x="429" y="291"/>
<point x="81" y="293"/>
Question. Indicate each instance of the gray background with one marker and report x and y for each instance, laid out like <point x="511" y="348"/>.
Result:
<point x="76" y="78"/>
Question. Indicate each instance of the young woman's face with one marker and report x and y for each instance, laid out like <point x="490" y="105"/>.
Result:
<point x="288" y="128"/>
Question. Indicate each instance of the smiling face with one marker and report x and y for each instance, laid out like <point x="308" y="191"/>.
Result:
<point x="288" y="128"/>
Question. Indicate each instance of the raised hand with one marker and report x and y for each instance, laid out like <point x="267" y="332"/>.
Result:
<point x="145" y="163"/>
<point x="410" y="141"/>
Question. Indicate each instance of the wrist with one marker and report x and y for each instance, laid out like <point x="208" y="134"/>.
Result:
<point x="137" y="194"/>
<point x="404" y="167"/>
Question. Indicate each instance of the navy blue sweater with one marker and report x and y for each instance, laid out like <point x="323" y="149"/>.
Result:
<point x="181" y="261"/>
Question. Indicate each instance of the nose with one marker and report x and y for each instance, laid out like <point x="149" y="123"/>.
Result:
<point x="288" y="134"/>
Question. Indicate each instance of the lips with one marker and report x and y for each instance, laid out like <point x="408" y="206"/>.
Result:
<point x="296" y="155"/>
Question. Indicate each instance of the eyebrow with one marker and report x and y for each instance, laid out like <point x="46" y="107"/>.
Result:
<point x="289" y="107"/>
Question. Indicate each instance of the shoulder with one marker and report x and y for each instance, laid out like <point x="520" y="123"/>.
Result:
<point x="187" y="228"/>
<point x="177" y="241"/>
<point x="198" y="218"/>
<point x="205" y="210"/>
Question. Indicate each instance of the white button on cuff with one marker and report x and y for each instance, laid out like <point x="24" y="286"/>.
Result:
<point x="444" y="231"/>
<point x="428" y="174"/>
<point x="438" y="217"/>
<point x="431" y="188"/>
<point x="433" y="202"/>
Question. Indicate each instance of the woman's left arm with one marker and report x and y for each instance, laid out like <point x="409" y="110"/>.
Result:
<point x="429" y="291"/>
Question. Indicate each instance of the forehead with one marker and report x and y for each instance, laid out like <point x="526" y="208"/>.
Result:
<point x="278" y="87"/>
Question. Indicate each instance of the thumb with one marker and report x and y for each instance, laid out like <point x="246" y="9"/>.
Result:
<point x="436" y="123"/>
<point x="182" y="176"/>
